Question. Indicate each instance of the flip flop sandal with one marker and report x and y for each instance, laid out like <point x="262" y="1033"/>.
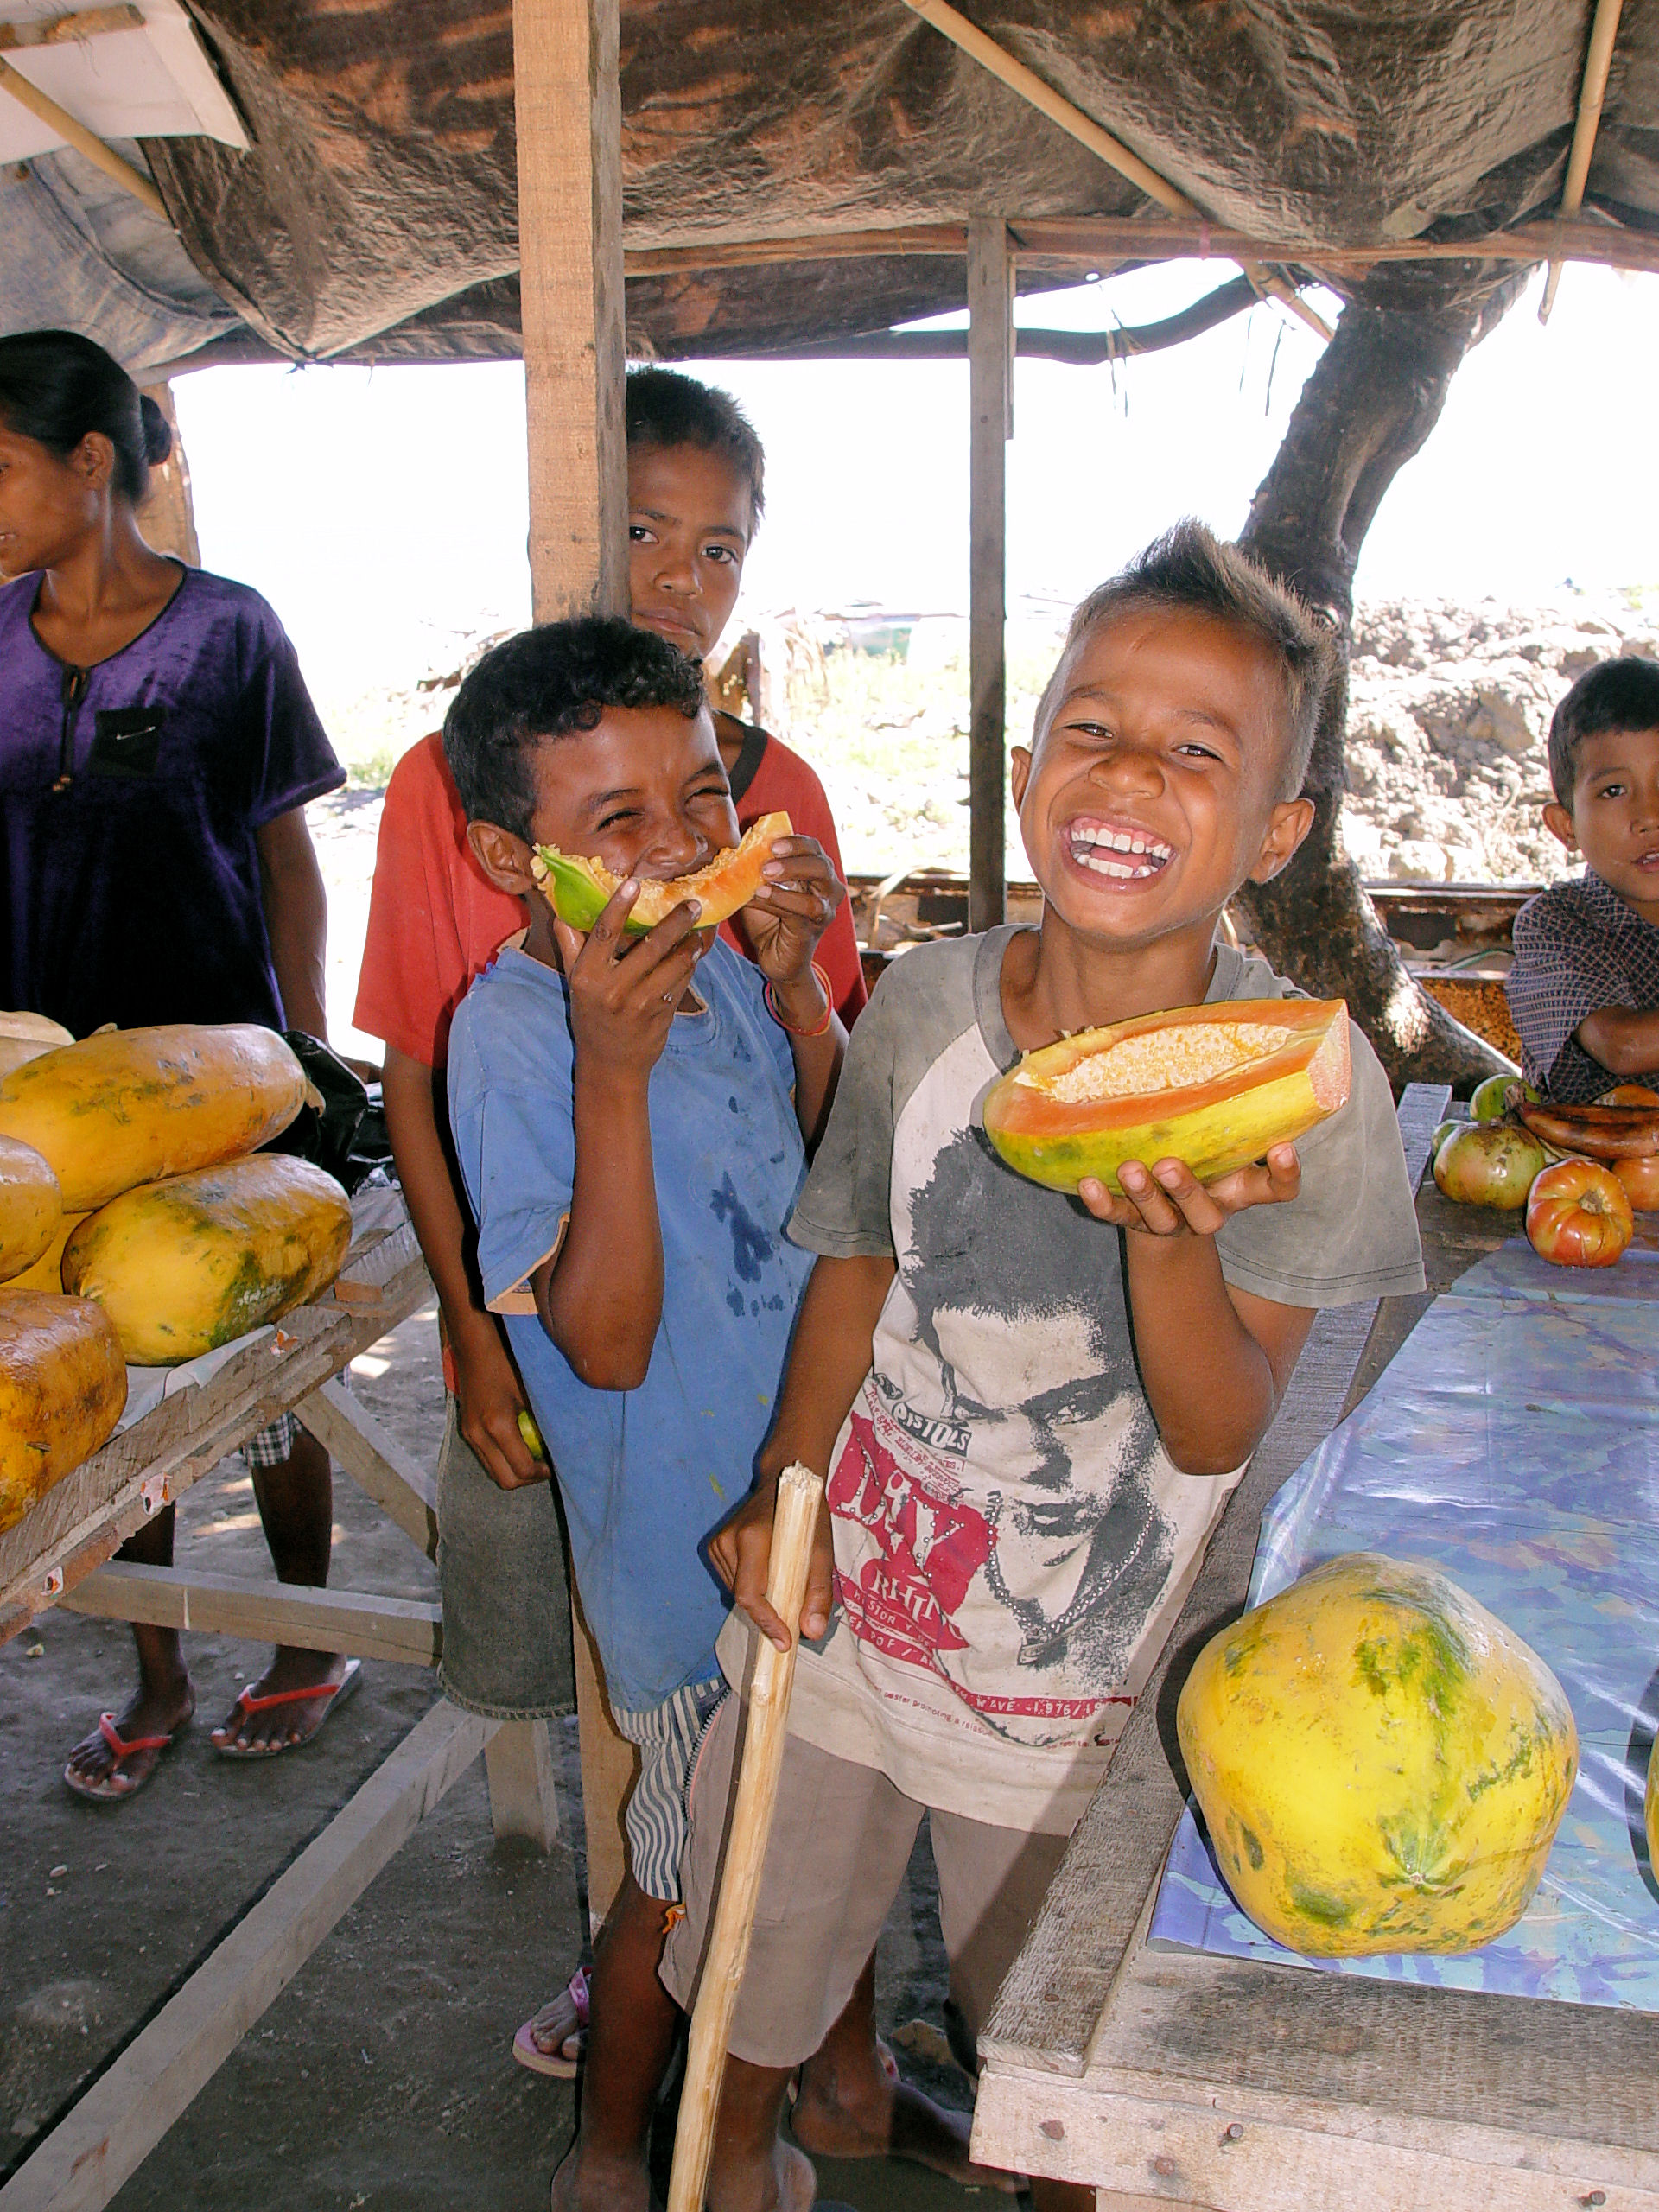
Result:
<point x="100" y="1793"/>
<point x="335" y="1693"/>
<point x="529" y="2052"/>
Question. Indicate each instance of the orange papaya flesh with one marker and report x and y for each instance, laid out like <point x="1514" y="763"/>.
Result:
<point x="579" y="889"/>
<point x="63" y="1384"/>
<point x="1212" y="1086"/>
<point x="129" y="1106"/>
<point x="183" y="1265"/>
<point x="31" y="1208"/>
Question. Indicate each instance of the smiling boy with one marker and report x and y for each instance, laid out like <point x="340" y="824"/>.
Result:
<point x="1585" y="988"/>
<point x="629" y="1117"/>
<point x="1030" y="1410"/>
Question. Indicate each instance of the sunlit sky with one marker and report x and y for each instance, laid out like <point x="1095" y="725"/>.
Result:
<point x="383" y="512"/>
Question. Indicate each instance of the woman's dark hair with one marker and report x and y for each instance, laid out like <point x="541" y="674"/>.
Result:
<point x="56" y="385"/>
<point x="549" y="682"/>
<point x="667" y="408"/>
<point x="1613" y="696"/>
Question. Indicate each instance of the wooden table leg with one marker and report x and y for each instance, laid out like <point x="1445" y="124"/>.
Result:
<point x="521" y="1762"/>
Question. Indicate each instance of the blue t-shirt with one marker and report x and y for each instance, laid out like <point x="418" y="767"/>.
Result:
<point x="131" y="792"/>
<point x="646" y="1475"/>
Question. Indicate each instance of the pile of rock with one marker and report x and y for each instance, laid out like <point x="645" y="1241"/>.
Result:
<point x="1448" y="716"/>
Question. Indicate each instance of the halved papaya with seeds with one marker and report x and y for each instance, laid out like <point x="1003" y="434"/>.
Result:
<point x="579" y="890"/>
<point x="1212" y="1086"/>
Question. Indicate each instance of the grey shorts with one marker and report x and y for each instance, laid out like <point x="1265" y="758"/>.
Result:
<point x="670" y="1736"/>
<point x="506" y="1599"/>
<point x="841" y="1840"/>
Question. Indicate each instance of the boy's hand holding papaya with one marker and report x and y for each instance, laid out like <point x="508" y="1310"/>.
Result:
<point x="784" y="921"/>
<point x="623" y="990"/>
<point x="1168" y="1200"/>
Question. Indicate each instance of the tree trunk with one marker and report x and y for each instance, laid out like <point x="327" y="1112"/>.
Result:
<point x="1369" y="405"/>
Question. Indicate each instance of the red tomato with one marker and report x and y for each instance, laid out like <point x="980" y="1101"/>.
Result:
<point x="1579" y="1215"/>
<point x="1641" y="1181"/>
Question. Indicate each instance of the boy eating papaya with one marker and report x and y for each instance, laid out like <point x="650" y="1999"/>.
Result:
<point x="1030" y="1408"/>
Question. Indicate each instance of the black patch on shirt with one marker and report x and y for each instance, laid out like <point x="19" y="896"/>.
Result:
<point x="126" y="740"/>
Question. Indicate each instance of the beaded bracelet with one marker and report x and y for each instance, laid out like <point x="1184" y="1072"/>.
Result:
<point x="819" y="1029"/>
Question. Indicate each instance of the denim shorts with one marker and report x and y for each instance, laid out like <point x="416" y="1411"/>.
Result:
<point x="506" y="1598"/>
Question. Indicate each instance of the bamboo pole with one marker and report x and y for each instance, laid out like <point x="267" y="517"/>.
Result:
<point x="800" y="1493"/>
<point x="83" y="141"/>
<point x="1604" y="30"/>
<point x="952" y="24"/>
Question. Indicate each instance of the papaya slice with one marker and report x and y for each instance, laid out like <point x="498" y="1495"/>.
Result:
<point x="1212" y="1086"/>
<point x="579" y="890"/>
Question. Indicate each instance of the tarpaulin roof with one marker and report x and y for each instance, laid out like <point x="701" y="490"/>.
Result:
<point x="373" y="215"/>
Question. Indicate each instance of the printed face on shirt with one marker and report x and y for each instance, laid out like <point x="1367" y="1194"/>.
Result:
<point x="1154" y="791"/>
<point x="1614" y="819"/>
<point x="689" y="522"/>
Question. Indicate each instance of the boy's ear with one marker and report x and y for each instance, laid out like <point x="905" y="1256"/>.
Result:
<point x="1019" y="773"/>
<point x="503" y="857"/>
<point x="1558" y="823"/>
<point x="1287" y="825"/>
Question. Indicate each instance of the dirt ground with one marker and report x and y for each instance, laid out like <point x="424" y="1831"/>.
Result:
<point x="381" y="2076"/>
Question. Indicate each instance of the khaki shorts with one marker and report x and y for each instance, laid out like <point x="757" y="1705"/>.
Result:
<point x="841" y="1842"/>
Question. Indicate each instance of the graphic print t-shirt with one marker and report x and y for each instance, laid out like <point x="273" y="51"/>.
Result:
<point x="1012" y="1541"/>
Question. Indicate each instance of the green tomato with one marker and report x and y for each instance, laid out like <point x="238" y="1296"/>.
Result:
<point x="1490" y="1099"/>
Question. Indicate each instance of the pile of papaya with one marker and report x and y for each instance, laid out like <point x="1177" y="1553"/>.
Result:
<point x="139" y="1222"/>
<point x="1582" y="1173"/>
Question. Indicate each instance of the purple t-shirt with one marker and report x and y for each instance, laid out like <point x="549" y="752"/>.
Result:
<point x="132" y="792"/>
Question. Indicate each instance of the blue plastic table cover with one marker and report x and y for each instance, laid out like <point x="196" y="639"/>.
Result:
<point x="1513" y="1443"/>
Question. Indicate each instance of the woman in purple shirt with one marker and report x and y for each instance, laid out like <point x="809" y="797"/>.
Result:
<point x="157" y="749"/>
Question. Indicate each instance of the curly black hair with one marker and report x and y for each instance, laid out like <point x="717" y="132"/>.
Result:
<point x="549" y="682"/>
<point x="1613" y="696"/>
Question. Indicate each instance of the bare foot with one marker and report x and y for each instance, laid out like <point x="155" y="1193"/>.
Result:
<point x="586" y="2183"/>
<point x="154" y="1709"/>
<point x="290" y="1669"/>
<point x="870" y="2113"/>
<point x="786" y="2181"/>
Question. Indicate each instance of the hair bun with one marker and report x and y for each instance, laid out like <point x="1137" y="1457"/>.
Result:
<point x="158" y="434"/>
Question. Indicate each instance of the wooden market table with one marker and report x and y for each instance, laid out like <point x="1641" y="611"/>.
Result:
<point x="62" y="1553"/>
<point x="1171" y="2078"/>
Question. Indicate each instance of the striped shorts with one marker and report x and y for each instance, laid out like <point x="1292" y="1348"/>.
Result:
<point x="657" y="1820"/>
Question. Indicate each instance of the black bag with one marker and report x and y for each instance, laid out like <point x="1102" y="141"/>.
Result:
<point x="347" y="1136"/>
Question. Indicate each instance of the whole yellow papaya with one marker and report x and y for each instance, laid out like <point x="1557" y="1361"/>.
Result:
<point x="1382" y="1764"/>
<point x="129" y="1106"/>
<point x="31" y="1208"/>
<point x="47" y="1273"/>
<point x="63" y="1383"/>
<point x="182" y="1266"/>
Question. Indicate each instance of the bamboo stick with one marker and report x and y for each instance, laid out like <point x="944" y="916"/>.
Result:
<point x="951" y="23"/>
<point x="1604" y="30"/>
<point x="799" y="1492"/>
<point x="83" y="140"/>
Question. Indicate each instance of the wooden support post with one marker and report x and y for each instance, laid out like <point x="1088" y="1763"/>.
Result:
<point x="1604" y="30"/>
<point x="111" y="2130"/>
<point x="568" y="109"/>
<point x="609" y="1764"/>
<point x="520" y="1762"/>
<point x="990" y="380"/>
<point x="168" y="517"/>
<point x="569" y="113"/>
<point x="375" y="1460"/>
<point x="403" y="1629"/>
